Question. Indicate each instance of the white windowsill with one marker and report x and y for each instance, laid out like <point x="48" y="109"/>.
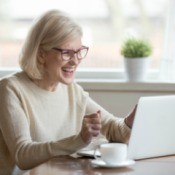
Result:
<point x="120" y="85"/>
<point x="115" y="81"/>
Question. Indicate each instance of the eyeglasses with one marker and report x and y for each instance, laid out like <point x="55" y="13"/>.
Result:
<point x="67" y="54"/>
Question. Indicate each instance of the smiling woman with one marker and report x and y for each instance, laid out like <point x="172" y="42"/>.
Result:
<point x="44" y="112"/>
<point x="104" y="28"/>
<point x="39" y="59"/>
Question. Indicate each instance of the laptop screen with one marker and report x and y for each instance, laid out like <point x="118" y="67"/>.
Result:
<point x="153" y="132"/>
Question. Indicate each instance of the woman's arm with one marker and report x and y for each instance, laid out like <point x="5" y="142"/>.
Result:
<point x="114" y="128"/>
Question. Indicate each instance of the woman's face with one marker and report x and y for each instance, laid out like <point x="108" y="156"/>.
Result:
<point x="56" y="69"/>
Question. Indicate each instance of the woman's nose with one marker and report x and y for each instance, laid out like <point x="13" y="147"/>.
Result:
<point x="74" y="59"/>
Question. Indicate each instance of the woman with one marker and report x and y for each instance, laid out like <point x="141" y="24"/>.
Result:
<point x="44" y="113"/>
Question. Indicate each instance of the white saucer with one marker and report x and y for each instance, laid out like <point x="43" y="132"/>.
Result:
<point x="101" y="163"/>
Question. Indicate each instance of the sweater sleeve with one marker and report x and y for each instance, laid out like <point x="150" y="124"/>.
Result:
<point x="15" y="128"/>
<point x="113" y="128"/>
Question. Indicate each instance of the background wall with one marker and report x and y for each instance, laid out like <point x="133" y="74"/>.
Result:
<point x="120" y="98"/>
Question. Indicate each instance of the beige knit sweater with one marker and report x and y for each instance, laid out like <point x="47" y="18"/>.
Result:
<point x="36" y="125"/>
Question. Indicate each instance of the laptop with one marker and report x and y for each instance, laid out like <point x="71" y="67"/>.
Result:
<point x="153" y="132"/>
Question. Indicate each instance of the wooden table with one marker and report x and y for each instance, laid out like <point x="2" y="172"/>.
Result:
<point x="83" y="166"/>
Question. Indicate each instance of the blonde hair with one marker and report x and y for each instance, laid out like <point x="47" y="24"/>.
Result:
<point x="54" y="28"/>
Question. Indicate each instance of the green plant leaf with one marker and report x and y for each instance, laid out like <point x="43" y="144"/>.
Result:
<point x="136" y="48"/>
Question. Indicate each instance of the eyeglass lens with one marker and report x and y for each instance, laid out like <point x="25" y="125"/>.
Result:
<point x="68" y="54"/>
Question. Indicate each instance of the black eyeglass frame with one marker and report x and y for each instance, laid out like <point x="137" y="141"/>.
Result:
<point x="72" y="52"/>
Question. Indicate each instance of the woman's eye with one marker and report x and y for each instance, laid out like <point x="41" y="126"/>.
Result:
<point x="65" y="52"/>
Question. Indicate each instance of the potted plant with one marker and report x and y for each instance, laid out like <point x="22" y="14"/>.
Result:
<point x="136" y="54"/>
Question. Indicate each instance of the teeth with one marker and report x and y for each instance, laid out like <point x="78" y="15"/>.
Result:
<point x="68" y="69"/>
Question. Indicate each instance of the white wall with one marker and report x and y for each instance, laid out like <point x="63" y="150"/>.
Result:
<point x="119" y="98"/>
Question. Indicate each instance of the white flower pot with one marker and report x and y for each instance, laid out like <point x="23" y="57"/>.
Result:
<point x="136" y="69"/>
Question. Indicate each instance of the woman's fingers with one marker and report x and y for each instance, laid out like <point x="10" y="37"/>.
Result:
<point x="91" y="126"/>
<point x="130" y="118"/>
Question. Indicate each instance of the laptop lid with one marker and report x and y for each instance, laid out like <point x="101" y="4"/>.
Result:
<point x="153" y="132"/>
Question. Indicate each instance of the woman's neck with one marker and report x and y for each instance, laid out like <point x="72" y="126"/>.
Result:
<point x="46" y="85"/>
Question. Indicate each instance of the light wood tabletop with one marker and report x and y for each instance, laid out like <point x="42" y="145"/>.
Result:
<point x="83" y="166"/>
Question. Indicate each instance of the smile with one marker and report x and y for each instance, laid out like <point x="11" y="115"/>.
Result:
<point x="68" y="69"/>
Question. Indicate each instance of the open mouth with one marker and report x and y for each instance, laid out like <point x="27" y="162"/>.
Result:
<point x="68" y="71"/>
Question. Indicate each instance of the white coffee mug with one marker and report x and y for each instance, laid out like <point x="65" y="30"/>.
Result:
<point x="112" y="153"/>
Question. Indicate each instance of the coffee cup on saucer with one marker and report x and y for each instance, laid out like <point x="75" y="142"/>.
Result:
<point x="112" y="153"/>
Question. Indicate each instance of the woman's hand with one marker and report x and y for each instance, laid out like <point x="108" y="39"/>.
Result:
<point x="130" y="117"/>
<point x="91" y="126"/>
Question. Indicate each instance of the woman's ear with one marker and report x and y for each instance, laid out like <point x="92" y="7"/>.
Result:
<point x="41" y="56"/>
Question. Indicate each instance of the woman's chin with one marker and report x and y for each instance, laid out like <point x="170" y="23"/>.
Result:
<point x="67" y="81"/>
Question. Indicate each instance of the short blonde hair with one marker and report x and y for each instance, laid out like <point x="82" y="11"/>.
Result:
<point x="54" y="28"/>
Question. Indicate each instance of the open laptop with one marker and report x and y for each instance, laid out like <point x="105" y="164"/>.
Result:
<point x="153" y="132"/>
